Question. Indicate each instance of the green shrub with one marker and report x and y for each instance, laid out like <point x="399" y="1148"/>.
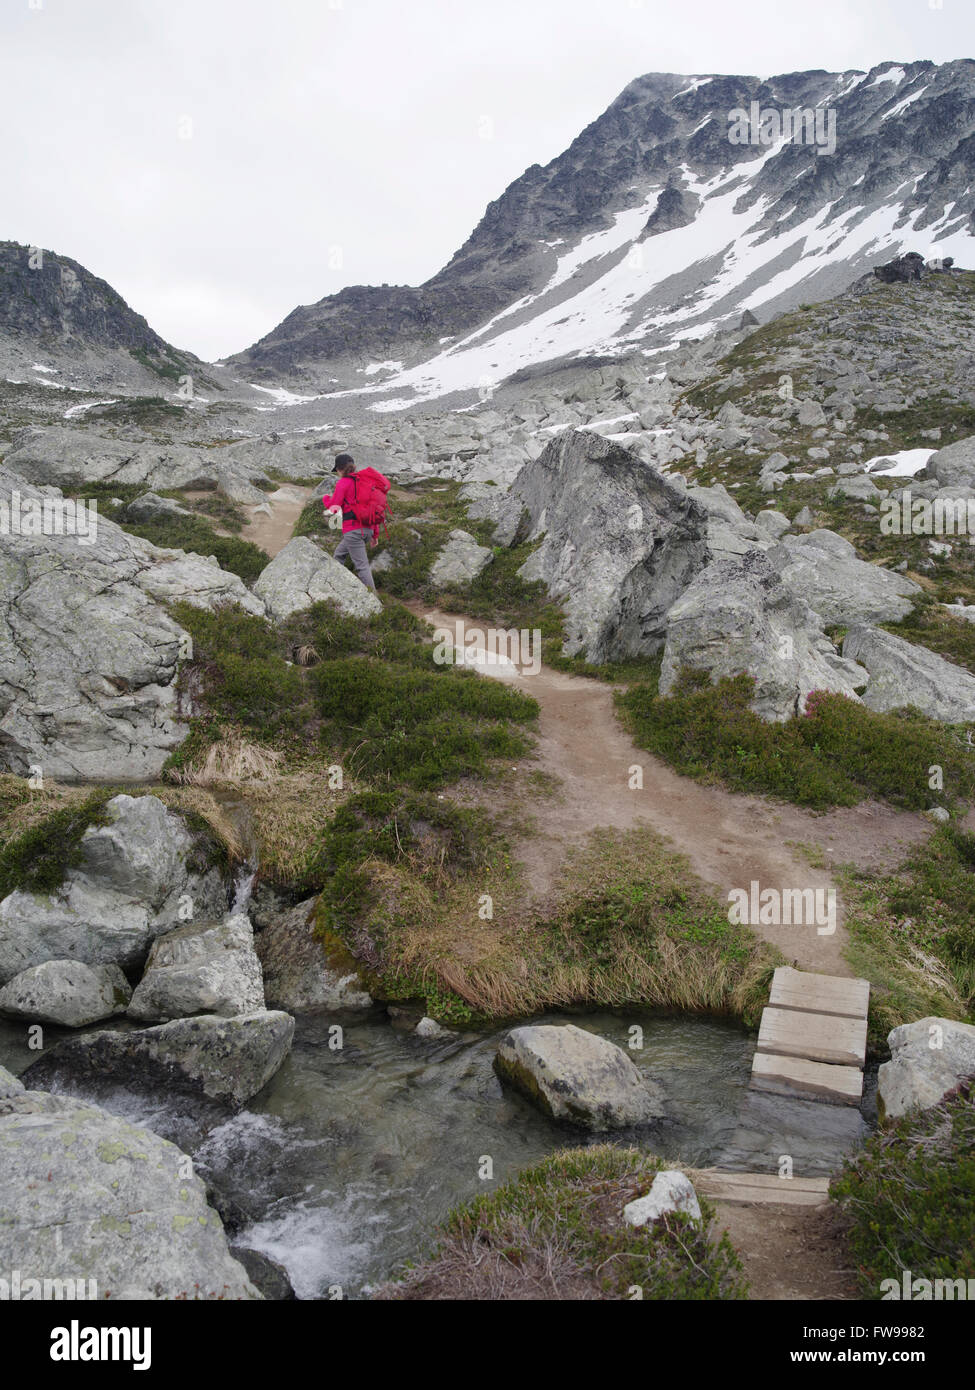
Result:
<point x="192" y="533"/>
<point x="836" y="754"/>
<point x="909" y="1197"/>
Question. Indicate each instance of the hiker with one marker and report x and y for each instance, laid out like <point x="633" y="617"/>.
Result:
<point x="361" y="498"/>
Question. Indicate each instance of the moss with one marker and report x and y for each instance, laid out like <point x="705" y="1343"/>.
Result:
<point x="37" y="860"/>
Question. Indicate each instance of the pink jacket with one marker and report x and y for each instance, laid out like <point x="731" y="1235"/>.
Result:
<point x="342" y="497"/>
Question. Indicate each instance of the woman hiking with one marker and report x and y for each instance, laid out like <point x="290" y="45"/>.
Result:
<point x="361" y="499"/>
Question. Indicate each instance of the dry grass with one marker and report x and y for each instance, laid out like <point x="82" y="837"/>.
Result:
<point x="232" y="759"/>
<point x="632" y="926"/>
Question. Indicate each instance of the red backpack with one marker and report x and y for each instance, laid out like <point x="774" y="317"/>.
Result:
<point x="369" y="502"/>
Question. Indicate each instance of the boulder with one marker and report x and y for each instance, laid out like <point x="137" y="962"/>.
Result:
<point x="810" y="414"/>
<point x="825" y="571"/>
<point x="225" y="1059"/>
<point x="300" y="972"/>
<point x="66" y="992"/>
<point x="135" y="875"/>
<point x="858" y="487"/>
<point x="577" y="1077"/>
<point x="773" y="523"/>
<point x="619" y="543"/>
<point x="460" y="560"/>
<point x="70" y="457"/>
<point x="9" y="1085"/>
<point x="206" y="969"/>
<point x="88" y="656"/>
<point x="738" y="618"/>
<point x="151" y="507"/>
<point x="953" y="466"/>
<point x="671" y="1192"/>
<point x="901" y="673"/>
<point x="927" y="1059"/>
<point x="302" y="574"/>
<point x="88" y="1196"/>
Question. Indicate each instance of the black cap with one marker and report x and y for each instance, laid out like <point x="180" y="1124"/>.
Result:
<point x="342" y="461"/>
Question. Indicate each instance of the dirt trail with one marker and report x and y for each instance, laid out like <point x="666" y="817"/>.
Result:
<point x="730" y="839"/>
<point x="272" y="522"/>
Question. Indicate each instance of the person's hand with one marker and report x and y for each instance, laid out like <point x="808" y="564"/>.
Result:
<point x="375" y="542"/>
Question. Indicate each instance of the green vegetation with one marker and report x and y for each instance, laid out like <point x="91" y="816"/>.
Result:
<point x="912" y="933"/>
<point x="148" y="412"/>
<point x="836" y="754"/>
<point x="192" y="533"/>
<point x="556" y="1231"/>
<point x="629" y="925"/>
<point x="908" y="1197"/>
<point x="37" y="859"/>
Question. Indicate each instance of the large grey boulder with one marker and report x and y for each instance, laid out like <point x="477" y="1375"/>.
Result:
<point x="88" y="656"/>
<point x="88" y="1196"/>
<point x="738" y="618"/>
<point x="619" y="543"/>
<point x="460" y="560"/>
<point x="206" y="969"/>
<point x="494" y="504"/>
<point x="151" y="507"/>
<point x="901" y="674"/>
<point x="302" y="574"/>
<point x="66" y="992"/>
<point x="9" y="1085"/>
<point x="70" y="457"/>
<point x="825" y="571"/>
<point x="577" y="1077"/>
<point x="225" y="1059"/>
<point x="927" y="1059"/>
<point x="953" y="466"/>
<point x="300" y="973"/>
<point x="135" y="880"/>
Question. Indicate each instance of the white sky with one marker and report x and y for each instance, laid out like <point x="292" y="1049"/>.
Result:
<point x="351" y="124"/>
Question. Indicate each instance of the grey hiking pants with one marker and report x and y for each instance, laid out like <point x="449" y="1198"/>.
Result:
<point x="353" y="545"/>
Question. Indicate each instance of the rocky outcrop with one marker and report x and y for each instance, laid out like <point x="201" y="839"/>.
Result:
<point x="825" y="571"/>
<point x="66" y="992"/>
<point x="209" y="969"/>
<point x="460" y="560"/>
<point x="135" y="876"/>
<point x="902" y="674"/>
<point x="927" y="1059"/>
<point x="88" y="657"/>
<point x="224" y="1059"/>
<point x="619" y="543"/>
<point x="300" y="972"/>
<point x="9" y="1085"/>
<point x="577" y="1077"/>
<point x="302" y="574"/>
<point x="87" y="1196"/>
<point x="738" y="617"/>
<point x="67" y="457"/>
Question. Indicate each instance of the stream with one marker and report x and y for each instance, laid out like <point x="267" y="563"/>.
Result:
<point x="343" y="1165"/>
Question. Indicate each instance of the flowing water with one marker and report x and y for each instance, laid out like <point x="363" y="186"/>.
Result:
<point x="346" y="1161"/>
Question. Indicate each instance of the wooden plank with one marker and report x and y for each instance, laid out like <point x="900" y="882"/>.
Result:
<point x="819" y="1037"/>
<point x="819" y="994"/>
<point x="746" y="1188"/>
<point x="797" y="1076"/>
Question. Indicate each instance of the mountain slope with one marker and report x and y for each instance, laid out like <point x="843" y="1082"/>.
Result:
<point x="654" y="226"/>
<point x="54" y="312"/>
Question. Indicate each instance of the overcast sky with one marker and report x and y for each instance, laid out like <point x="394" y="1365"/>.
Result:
<point x="221" y="161"/>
